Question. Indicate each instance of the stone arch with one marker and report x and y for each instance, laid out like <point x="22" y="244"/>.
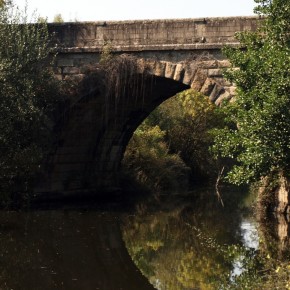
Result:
<point x="96" y="131"/>
<point x="204" y="75"/>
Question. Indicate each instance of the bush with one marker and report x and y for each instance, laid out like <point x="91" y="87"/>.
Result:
<point x="28" y="98"/>
<point x="188" y="119"/>
<point x="147" y="158"/>
<point x="257" y="133"/>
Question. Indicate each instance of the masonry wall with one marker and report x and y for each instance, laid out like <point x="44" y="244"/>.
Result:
<point x="152" y="34"/>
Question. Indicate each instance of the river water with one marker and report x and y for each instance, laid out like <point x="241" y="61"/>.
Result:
<point x="176" y="240"/>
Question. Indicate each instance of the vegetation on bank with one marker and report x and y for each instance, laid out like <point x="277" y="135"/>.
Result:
<point x="29" y="97"/>
<point x="171" y="145"/>
<point x="257" y="131"/>
<point x="181" y="244"/>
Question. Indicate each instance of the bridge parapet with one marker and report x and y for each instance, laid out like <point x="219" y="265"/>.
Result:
<point x="130" y="36"/>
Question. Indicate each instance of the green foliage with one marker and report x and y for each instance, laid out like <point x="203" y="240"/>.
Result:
<point x="180" y="241"/>
<point x="4" y="3"/>
<point x="175" y="137"/>
<point x="58" y="18"/>
<point x="147" y="158"/>
<point x="41" y="19"/>
<point x="257" y="134"/>
<point x="170" y="250"/>
<point x="181" y="244"/>
<point x="28" y="98"/>
<point x="260" y="271"/>
<point x="187" y="119"/>
<point x="106" y="54"/>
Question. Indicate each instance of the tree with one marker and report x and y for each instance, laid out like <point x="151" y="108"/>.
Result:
<point x="257" y="134"/>
<point x="148" y="160"/>
<point x="58" y="18"/>
<point x="173" y="142"/>
<point x="28" y="98"/>
<point x="187" y="119"/>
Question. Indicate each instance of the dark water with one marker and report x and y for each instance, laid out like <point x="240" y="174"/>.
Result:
<point x="191" y="241"/>
<point x="65" y="249"/>
<point x="172" y="238"/>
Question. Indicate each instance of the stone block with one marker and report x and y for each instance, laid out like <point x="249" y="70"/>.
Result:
<point x="160" y="69"/>
<point x="224" y="63"/>
<point x="217" y="90"/>
<point x="189" y="73"/>
<point x="170" y="70"/>
<point x="65" y="62"/>
<point x="222" y="97"/>
<point x="179" y="72"/>
<point x="71" y="70"/>
<point x="222" y="81"/>
<point x="215" y="72"/>
<point x="150" y="66"/>
<point x="207" y="64"/>
<point x="199" y="79"/>
<point x="56" y="70"/>
<point x="232" y="90"/>
<point x="208" y="86"/>
<point x="75" y="78"/>
<point x="58" y="77"/>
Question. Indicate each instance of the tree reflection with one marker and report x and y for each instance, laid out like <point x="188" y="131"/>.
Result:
<point x="177" y="241"/>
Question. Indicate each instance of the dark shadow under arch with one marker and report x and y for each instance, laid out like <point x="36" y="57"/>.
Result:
<point x="95" y="135"/>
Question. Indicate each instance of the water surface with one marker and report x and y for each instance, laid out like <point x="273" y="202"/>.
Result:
<point x="175" y="241"/>
<point x="65" y="249"/>
<point x="179" y="240"/>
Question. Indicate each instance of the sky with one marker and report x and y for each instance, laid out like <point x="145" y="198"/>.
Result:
<point x="98" y="10"/>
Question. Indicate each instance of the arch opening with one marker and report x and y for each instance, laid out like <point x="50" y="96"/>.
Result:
<point x="170" y="148"/>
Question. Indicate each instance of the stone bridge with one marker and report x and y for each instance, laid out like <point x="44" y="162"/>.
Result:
<point x="163" y="57"/>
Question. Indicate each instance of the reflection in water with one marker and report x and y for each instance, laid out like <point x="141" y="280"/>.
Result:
<point x="250" y="239"/>
<point x="178" y="241"/>
<point x="250" y="235"/>
<point x="65" y="250"/>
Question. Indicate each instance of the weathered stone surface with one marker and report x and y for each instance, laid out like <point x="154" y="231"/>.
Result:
<point x="58" y="77"/>
<point x="199" y="79"/>
<point x="71" y="70"/>
<point x="160" y="69"/>
<point x="232" y="90"/>
<point x="222" y="81"/>
<point x="217" y="90"/>
<point x="222" y="97"/>
<point x="170" y="70"/>
<point x="207" y="64"/>
<point x="179" y="72"/>
<point x="63" y="62"/>
<point x="190" y="70"/>
<point x="215" y="72"/>
<point x="208" y="86"/>
<point x="224" y="63"/>
<point x="74" y="77"/>
<point x="156" y="34"/>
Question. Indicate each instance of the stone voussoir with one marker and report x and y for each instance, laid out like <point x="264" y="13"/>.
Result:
<point x="170" y="70"/>
<point x="179" y="72"/>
